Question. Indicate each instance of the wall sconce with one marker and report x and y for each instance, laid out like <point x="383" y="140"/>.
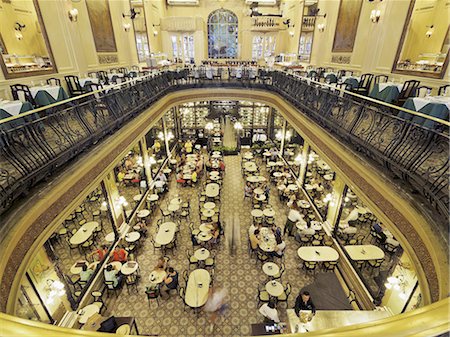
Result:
<point x="161" y="135"/>
<point x="155" y="32"/>
<point x="209" y="126"/>
<point x="291" y="33"/>
<point x="127" y="27"/>
<point x="430" y="31"/>
<point x="18" y="27"/>
<point x="73" y="15"/>
<point x="132" y="14"/>
<point x="375" y="15"/>
<point x="321" y="27"/>
<point x="151" y="160"/>
<point x="170" y="135"/>
<point x="122" y="201"/>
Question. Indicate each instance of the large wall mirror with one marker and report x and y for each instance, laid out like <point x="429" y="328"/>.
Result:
<point x="23" y="41"/>
<point x="140" y="30"/>
<point x="424" y="46"/>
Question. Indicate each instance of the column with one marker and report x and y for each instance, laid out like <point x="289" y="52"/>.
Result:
<point x="303" y="163"/>
<point x="334" y="206"/>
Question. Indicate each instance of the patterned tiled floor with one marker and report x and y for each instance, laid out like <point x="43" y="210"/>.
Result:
<point x="239" y="274"/>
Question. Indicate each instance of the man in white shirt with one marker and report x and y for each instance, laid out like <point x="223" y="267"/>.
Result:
<point x="269" y="311"/>
<point x="252" y="229"/>
<point x="293" y="216"/>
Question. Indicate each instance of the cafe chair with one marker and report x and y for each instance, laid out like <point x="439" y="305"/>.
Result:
<point x="284" y="297"/>
<point x="423" y="91"/>
<point x="152" y="294"/>
<point x="444" y="90"/>
<point x="182" y="294"/>
<point x="280" y="273"/>
<point x="21" y="92"/>
<point x="73" y="281"/>
<point x="262" y="297"/>
<point x="381" y="79"/>
<point x="102" y="76"/>
<point x="92" y="74"/>
<point x="155" y="245"/>
<point x="110" y="287"/>
<point x="71" y="246"/>
<point x="131" y="281"/>
<point x="53" y="81"/>
<point x="329" y="265"/>
<point x="98" y="300"/>
<point x="185" y="276"/>
<point x="192" y="260"/>
<point x="364" y="84"/>
<point x="408" y="90"/>
<point x="74" y="86"/>
<point x="209" y="262"/>
<point x="375" y="264"/>
<point x="310" y="266"/>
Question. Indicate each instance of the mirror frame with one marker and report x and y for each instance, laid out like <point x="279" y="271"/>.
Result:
<point x="146" y="31"/>
<point x="47" y="45"/>
<point x="400" y="47"/>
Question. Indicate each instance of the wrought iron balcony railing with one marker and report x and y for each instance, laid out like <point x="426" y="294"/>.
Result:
<point x="36" y="144"/>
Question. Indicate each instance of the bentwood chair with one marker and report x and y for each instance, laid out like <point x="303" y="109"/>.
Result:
<point x="408" y="90"/>
<point x="262" y="297"/>
<point x="285" y="295"/>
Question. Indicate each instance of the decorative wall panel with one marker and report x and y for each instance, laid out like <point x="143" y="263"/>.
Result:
<point x="347" y="25"/>
<point x="101" y="25"/>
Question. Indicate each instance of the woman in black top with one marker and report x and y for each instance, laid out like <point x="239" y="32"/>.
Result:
<point x="170" y="282"/>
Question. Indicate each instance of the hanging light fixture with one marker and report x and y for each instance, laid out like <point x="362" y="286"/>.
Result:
<point x="238" y="126"/>
<point x="209" y="126"/>
<point x="73" y="14"/>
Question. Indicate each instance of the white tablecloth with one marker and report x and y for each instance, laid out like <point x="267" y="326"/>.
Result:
<point x="420" y="102"/>
<point x="83" y="81"/>
<point x="383" y="86"/>
<point x="11" y="107"/>
<point x="52" y="90"/>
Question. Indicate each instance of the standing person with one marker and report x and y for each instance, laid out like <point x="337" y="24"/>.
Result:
<point x="269" y="311"/>
<point x="215" y="304"/>
<point x="304" y="302"/>
<point x="293" y="216"/>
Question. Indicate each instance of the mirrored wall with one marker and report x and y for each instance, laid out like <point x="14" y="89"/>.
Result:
<point x="140" y="30"/>
<point x="24" y="44"/>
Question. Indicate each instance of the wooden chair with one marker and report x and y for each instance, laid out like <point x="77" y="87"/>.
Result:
<point x="152" y="294"/>
<point x="381" y="79"/>
<point x="73" y="84"/>
<point x="280" y="273"/>
<point x="329" y="265"/>
<point x="444" y="90"/>
<point x="364" y="84"/>
<point x="408" y="90"/>
<point x="375" y="264"/>
<point x="21" y="92"/>
<point x="423" y="91"/>
<point x="54" y="81"/>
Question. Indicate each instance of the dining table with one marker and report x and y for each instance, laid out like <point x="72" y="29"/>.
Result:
<point x="317" y="253"/>
<point x="83" y="233"/>
<point x="48" y="94"/>
<point x="433" y="106"/>
<point x="166" y="233"/>
<point x="129" y="268"/>
<point x="197" y="288"/>
<point x="270" y="268"/>
<point x="387" y="92"/>
<point x="13" y="108"/>
<point x="364" y="252"/>
<point x="212" y="190"/>
<point x="274" y="288"/>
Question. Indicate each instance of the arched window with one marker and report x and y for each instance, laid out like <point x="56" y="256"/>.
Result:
<point x="222" y="34"/>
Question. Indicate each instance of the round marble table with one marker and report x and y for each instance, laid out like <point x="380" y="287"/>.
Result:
<point x="110" y="237"/>
<point x="260" y="197"/>
<point x="277" y="174"/>
<point x="204" y="236"/>
<point x="132" y="236"/>
<point x="202" y="254"/>
<point x="270" y="268"/>
<point x="209" y="205"/>
<point x="87" y="312"/>
<point x="214" y="174"/>
<point x="206" y="228"/>
<point x="173" y="207"/>
<point x="143" y="213"/>
<point x="269" y="212"/>
<point x="137" y="197"/>
<point x="292" y="187"/>
<point x="176" y="201"/>
<point x="153" y="197"/>
<point x="274" y="288"/>
<point x="157" y="276"/>
<point x="303" y="204"/>
<point x="257" y="213"/>
<point x="129" y="268"/>
<point x="208" y="212"/>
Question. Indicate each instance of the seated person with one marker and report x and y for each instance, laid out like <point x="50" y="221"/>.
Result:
<point x="161" y="177"/>
<point x="112" y="274"/>
<point x="120" y="176"/>
<point x="180" y="179"/>
<point x="170" y="282"/>
<point x="100" y="253"/>
<point x="252" y="229"/>
<point x="215" y="232"/>
<point x="141" y="227"/>
<point x="161" y="264"/>
<point x="248" y="191"/>
<point x="194" y="177"/>
<point x="222" y="165"/>
<point x="269" y="311"/>
<point x="85" y="273"/>
<point x="254" y="241"/>
<point x="119" y="254"/>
